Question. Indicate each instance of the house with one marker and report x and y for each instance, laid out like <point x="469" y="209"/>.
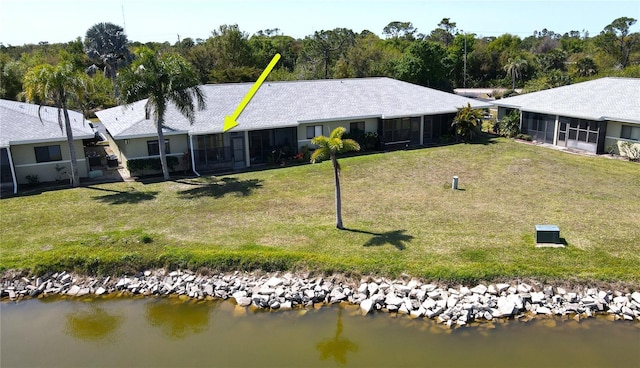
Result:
<point x="36" y="150"/>
<point x="281" y="120"/>
<point x="595" y="116"/>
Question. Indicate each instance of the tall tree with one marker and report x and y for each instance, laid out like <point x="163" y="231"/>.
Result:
<point x="616" y="40"/>
<point x="107" y="44"/>
<point x="326" y="47"/>
<point x="444" y="33"/>
<point x="58" y="84"/>
<point x="329" y="147"/>
<point x="400" y="30"/>
<point x="514" y="69"/>
<point x="162" y="79"/>
<point x="423" y="64"/>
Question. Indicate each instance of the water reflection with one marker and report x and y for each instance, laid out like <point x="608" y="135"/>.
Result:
<point x="92" y="323"/>
<point x="178" y="319"/>
<point x="336" y="346"/>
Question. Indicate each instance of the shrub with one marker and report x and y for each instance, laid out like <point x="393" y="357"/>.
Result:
<point x="141" y="164"/>
<point x="524" y="137"/>
<point x="509" y="125"/>
<point x="631" y="150"/>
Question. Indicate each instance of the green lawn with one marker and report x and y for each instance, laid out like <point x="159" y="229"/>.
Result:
<point x="399" y="207"/>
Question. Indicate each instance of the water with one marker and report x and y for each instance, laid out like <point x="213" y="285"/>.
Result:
<point x="160" y="332"/>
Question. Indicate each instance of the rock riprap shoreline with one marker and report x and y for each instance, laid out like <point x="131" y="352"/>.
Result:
<point x="448" y="305"/>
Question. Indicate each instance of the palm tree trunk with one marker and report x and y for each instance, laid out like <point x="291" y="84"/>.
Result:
<point x="75" y="176"/>
<point x="161" y="148"/>
<point x="336" y="172"/>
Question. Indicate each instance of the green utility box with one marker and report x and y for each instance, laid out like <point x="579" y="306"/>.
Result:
<point x="547" y="234"/>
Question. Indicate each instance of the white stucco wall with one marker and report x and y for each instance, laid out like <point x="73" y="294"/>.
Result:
<point x="24" y="161"/>
<point x="370" y="125"/>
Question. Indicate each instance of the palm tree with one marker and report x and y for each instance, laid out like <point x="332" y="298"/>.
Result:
<point x="107" y="44"/>
<point x="329" y="147"/>
<point x="514" y="69"/>
<point x="161" y="79"/>
<point x="46" y="83"/>
<point x="467" y="122"/>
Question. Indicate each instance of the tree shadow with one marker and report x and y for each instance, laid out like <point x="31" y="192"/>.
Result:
<point x="218" y="188"/>
<point x="124" y="197"/>
<point x="397" y="238"/>
<point x="485" y="139"/>
<point x="177" y="319"/>
<point x="92" y="323"/>
<point x="336" y="346"/>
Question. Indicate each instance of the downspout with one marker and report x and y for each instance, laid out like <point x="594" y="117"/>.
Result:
<point x="555" y="130"/>
<point x="247" y="152"/>
<point x="13" y="171"/>
<point x="193" y="158"/>
<point x="422" y="128"/>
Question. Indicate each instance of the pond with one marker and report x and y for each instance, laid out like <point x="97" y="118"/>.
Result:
<point x="169" y="332"/>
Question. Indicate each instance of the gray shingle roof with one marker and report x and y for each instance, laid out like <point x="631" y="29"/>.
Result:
<point x="286" y="104"/>
<point x="601" y="99"/>
<point x="20" y="124"/>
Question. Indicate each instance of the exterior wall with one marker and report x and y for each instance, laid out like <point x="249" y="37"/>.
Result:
<point x="370" y="125"/>
<point x="613" y="141"/>
<point x="136" y="148"/>
<point x="24" y="160"/>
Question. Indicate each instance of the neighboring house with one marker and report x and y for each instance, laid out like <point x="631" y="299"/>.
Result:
<point x="594" y="116"/>
<point x="32" y="149"/>
<point x="282" y="118"/>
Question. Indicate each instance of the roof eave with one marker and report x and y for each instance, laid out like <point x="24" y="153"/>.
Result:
<point x="48" y="140"/>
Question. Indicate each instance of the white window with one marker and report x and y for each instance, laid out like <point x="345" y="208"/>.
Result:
<point x="630" y="132"/>
<point x="314" y="131"/>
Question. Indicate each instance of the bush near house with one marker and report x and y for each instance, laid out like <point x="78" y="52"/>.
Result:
<point x="141" y="164"/>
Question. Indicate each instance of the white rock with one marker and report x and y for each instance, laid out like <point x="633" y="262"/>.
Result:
<point x="542" y="310"/>
<point x="243" y="301"/>
<point x="403" y="309"/>
<point x="479" y="289"/>
<point x="452" y="301"/>
<point x="73" y="290"/>
<point x="464" y="291"/>
<point x="636" y="296"/>
<point x="622" y="300"/>
<point x="524" y="288"/>
<point x="336" y="295"/>
<point x="417" y="313"/>
<point x="274" y="281"/>
<point x="392" y="299"/>
<point x="100" y="291"/>
<point x="239" y="294"/>
<point x="366" y="306"/>
<point x="363" y="288"/>
<point x="537" y="297"/>
<point x="502" y="287"/>
<point x="372" y="288"/>
<point x="561" y="291"/>
<point x="434" y="294"/>
<point x="429" y="287"/>
<point x="492" y="289"/>
<point x="429" y="303"/>
<point x="506" y="306"/>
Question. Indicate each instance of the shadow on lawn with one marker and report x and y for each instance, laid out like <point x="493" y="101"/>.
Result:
<point x="219" y="188"/>
<point x="397" y="238"/>
<point x="124" y="197"/>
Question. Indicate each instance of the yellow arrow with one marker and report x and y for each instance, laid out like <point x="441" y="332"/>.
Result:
<point x="231" y="121"/>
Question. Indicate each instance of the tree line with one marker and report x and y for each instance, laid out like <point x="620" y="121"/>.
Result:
<point x="444" y="58"/>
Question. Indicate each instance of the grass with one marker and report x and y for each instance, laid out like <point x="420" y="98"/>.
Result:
<point x="400" y="211"/>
